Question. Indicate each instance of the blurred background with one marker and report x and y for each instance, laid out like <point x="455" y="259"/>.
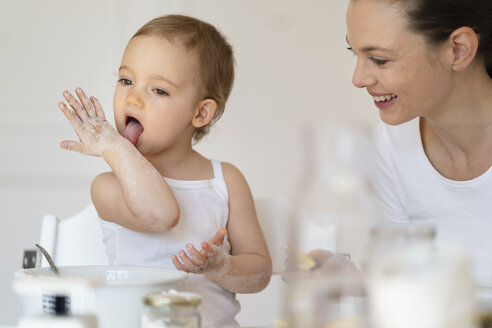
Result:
<point x="292" y="68"/>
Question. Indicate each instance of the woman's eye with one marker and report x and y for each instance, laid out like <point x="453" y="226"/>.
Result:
<point x="161" y="92"/>
<point x="125" y="81"/>
<point x="351" y="50"/>
<point x="379" y="62"/>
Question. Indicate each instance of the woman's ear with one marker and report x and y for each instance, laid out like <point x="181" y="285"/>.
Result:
<point x="464" y="42"/>
<point x="204" y="113"/>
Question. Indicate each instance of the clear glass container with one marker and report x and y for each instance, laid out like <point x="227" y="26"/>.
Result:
<point x="414" y="282"/>
<point x="393" y="237"/>
<point x="328" y="233"/>
<point x="171" y="310"/>
<point x="330" y="196"/>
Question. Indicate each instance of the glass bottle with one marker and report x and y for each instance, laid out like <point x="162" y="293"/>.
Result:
<point x="329" y="200"/>
<point x="329" y="217"/>
<point x="171" y="309"/>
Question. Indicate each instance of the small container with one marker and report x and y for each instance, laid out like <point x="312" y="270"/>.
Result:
<point x="57" y="314"/>
<point x="171" y="309"/>
<point x="52" y="321"/>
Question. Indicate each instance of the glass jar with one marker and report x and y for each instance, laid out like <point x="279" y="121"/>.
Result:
<point x="393" y="237"/>
<point x="414" y="282"/>
<point x="171" y="309"/>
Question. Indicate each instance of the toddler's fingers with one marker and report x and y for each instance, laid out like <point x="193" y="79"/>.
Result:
<point x="207" y="250"/>
<point x="87" y="105"/>
<point x="77" y="107"/>
<point x="186" y="260"/>
<point x="178" y="264"/>
<point x="98" y="107"/>
<point x="72" y="145"/>
<point x="198" y="258"/>
<point x="218" y="239"/>
<point x="70" y="115"/>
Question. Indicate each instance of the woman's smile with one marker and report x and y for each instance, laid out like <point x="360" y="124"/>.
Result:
<point x="383" y="101"/>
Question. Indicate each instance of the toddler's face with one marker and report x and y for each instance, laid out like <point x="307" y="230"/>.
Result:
<point x="157" y="92"/>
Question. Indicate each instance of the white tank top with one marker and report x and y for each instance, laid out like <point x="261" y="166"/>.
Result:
<point x="204" y="209"/>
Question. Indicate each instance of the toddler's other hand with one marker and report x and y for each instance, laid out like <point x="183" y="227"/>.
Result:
<point x="88" y="120"/>
<point x="210" y="258"/>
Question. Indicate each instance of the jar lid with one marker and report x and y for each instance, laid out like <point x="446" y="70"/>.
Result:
<point x="171" y="298"/>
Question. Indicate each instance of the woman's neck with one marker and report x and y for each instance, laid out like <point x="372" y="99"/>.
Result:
<point x="457" y="137"/>
<point x="465" y="119"/>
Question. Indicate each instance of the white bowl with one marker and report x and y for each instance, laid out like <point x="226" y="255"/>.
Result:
<point x="112" y="293"/>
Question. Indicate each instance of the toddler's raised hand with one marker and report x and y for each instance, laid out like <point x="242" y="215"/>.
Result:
<point x="210" y="258"/>
<point x="88" y="120"/>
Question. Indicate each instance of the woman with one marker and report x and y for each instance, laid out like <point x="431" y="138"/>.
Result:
<point x="428" y="66"/>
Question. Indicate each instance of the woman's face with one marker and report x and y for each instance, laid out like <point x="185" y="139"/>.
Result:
<point x="404" y="74"/>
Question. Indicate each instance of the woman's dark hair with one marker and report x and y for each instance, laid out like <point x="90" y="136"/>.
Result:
<point x="437" y="19"/>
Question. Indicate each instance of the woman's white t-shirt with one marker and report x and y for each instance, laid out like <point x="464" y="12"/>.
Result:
<point x="410" y="189"/>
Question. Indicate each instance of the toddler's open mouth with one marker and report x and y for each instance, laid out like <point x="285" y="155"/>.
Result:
<point x="133" y="129"/>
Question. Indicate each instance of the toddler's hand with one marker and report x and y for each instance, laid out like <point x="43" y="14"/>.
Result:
<point x="88" y="120"/>
<point x="210" y="258"/>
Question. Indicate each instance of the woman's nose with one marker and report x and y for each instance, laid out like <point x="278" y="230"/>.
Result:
<point x="362" y="77"/>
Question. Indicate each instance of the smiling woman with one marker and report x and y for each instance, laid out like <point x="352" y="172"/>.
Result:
<point x="427" y="66"/>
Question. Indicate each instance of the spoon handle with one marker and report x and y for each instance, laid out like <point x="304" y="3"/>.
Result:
<point x="49" y="259"/>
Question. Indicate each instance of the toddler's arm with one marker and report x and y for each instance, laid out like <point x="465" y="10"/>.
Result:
<point x="248" y="268"/>
<point x="134" y="194"/>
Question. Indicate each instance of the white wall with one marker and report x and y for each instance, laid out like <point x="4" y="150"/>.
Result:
<point x="292" y="67"/>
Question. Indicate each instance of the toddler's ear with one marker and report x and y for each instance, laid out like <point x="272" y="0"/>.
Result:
<point x="204" y="113"/>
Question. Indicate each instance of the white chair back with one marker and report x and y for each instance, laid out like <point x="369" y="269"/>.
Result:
<point x="76" y="240"/>
<point x="274" y="214"/>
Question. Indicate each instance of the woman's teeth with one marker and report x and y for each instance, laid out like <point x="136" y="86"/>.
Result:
<point x="384" y="98"/>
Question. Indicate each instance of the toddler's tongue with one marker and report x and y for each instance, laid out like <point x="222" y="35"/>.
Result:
<point x="133" y="130"/>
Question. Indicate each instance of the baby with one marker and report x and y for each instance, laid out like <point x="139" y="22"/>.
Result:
<point x="163" y="204"/>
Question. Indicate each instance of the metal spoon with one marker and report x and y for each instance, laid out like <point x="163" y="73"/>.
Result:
<point x="49" y="259"/>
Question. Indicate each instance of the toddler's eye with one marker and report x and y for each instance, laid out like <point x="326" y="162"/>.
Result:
<point x="161" y="92"/>
<point x="377" y="61"/>
<point x="125" y="81"/>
